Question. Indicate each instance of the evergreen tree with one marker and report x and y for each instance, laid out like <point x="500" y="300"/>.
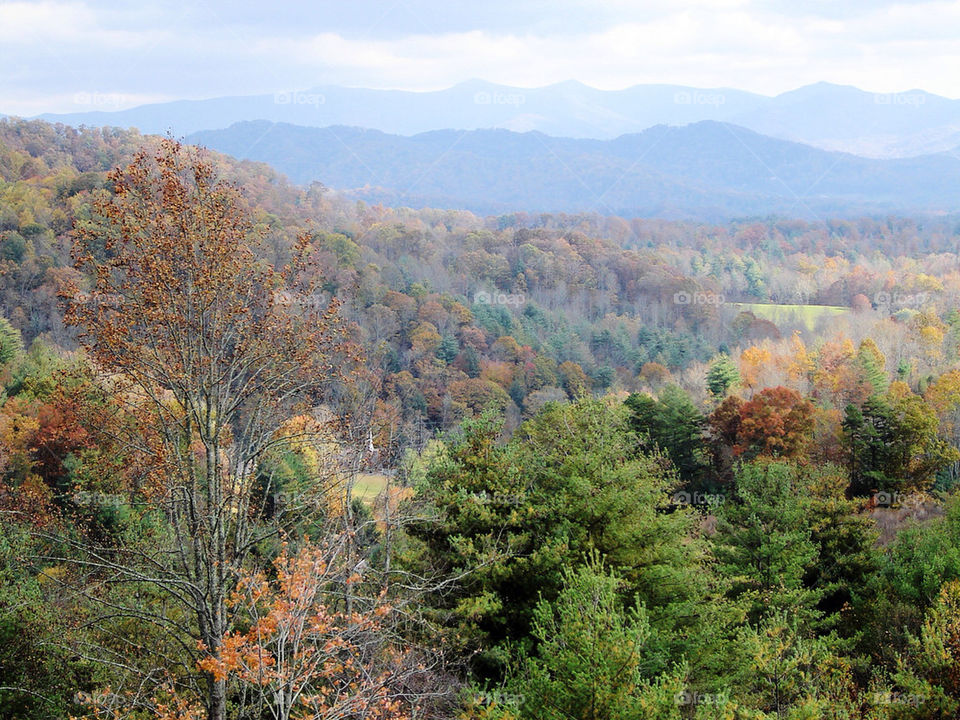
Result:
<point x="722" y="376"/>
<point x="448" y="349"/>
<point x="893" y="443"/>
<point x="872" y="366"/>
<point x="675" y="426"/>
<point x="590" y="663"/>
<point x="508" y="518"/>
<point x="764" y="543"/>
<point x="11" y="343"/>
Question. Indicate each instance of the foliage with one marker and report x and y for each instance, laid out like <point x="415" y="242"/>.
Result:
<point x="590" y="660"/>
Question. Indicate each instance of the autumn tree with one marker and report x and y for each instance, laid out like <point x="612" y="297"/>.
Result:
<point x="722" y="426"/>
<point x="181" y="321"/>
<point x="776" y="422"/>
<point x="302" y="654"/>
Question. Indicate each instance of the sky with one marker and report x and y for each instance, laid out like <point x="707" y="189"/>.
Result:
<point x="69" y="56"/>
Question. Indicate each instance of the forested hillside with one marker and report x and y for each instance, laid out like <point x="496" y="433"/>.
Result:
<point x="267" y="452"/>
<point x="704" y="171"/>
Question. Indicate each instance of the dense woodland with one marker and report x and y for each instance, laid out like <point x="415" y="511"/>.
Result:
<point x="269" y="453"/>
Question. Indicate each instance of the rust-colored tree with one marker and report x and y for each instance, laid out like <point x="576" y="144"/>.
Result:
<point x="777" y="422"/>
<point x="182" y="323"/>
<point x="302" y="654"/>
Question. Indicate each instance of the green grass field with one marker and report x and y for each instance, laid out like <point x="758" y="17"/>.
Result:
<point x="368" y="486"/>
<point x="806" y="315"/>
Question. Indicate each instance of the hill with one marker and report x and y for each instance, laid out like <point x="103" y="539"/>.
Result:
<point x="706" y="170"/>
<point x="828" y="116"/>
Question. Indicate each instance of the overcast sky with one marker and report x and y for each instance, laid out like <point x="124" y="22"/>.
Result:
<point x="62" y="56"/>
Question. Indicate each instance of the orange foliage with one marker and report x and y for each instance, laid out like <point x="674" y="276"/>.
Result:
<point x="777" y="422"/>
<point x="753" y="361"/>
<point x="312" y="661"/>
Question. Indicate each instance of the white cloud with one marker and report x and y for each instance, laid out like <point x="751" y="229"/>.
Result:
<point x="51" y="50"/>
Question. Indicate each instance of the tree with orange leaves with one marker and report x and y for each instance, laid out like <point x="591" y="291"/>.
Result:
<point x="776" y="422"/>
<point x="300" y="656"/>
<point x="182" y="322"/>
<point x="753" y="362"/>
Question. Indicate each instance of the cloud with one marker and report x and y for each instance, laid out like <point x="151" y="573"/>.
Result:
<point x="52" y="50"/>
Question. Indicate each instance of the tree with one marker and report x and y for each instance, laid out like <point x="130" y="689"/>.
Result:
<point x="893" y="443"/>
<point x="302" y="655"/>
<point x="38" y="677"/>
<point x="753" y="362"/>
<point x="11" y="343"/>
<point x="722" y="376"/>
<point x="788" y="674"/>
<point x="764" y="543"/>
<point x="590" y="662"/>
<point x="209" y="368"/>
<point x="507" y="519"/>
<point x="449" y="349"/>
<point x="723" y="426"/>
<point x="776" y="422"/>
<point x="675" y="426"/>
<point x="575" y="380"/>
<point x="930" y="670"/>
<point x="872" y="366"/>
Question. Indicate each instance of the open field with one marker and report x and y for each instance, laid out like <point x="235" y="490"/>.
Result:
<point x="369" y="485"/>
<point x="807" y="315"/>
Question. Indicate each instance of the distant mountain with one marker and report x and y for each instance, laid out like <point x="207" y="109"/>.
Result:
<point x="568" y="108"/>
<point x="831" y="117"/>
<point x="840" y="117"/>
<point x="706" y="170"/>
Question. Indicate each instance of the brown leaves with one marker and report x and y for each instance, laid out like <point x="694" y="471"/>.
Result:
<point x="318" y="662"/>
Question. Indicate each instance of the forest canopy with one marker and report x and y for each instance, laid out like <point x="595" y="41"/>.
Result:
<point x="267" y="452"/>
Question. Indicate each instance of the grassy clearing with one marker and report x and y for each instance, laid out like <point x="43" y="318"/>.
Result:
<point x="809" y="316"/>
<point x="369" y="485"/>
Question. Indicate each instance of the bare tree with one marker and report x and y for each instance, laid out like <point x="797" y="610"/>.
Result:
<point x="182" y="323"/>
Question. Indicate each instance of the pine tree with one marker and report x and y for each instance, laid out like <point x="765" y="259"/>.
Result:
<point x="872" y="366"/>
<point x="591" y="657"/>
<point x="11" y="343"/>
<point x="722" y="376"/>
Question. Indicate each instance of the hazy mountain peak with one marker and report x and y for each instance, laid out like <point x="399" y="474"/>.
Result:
<point x="823" y="114"/>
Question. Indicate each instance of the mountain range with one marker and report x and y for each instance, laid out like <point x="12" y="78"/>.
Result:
<point x="705" y="170"/>
<point x="828" y="116"/>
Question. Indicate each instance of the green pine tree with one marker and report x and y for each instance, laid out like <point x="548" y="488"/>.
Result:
<point x="722" y="376"/>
